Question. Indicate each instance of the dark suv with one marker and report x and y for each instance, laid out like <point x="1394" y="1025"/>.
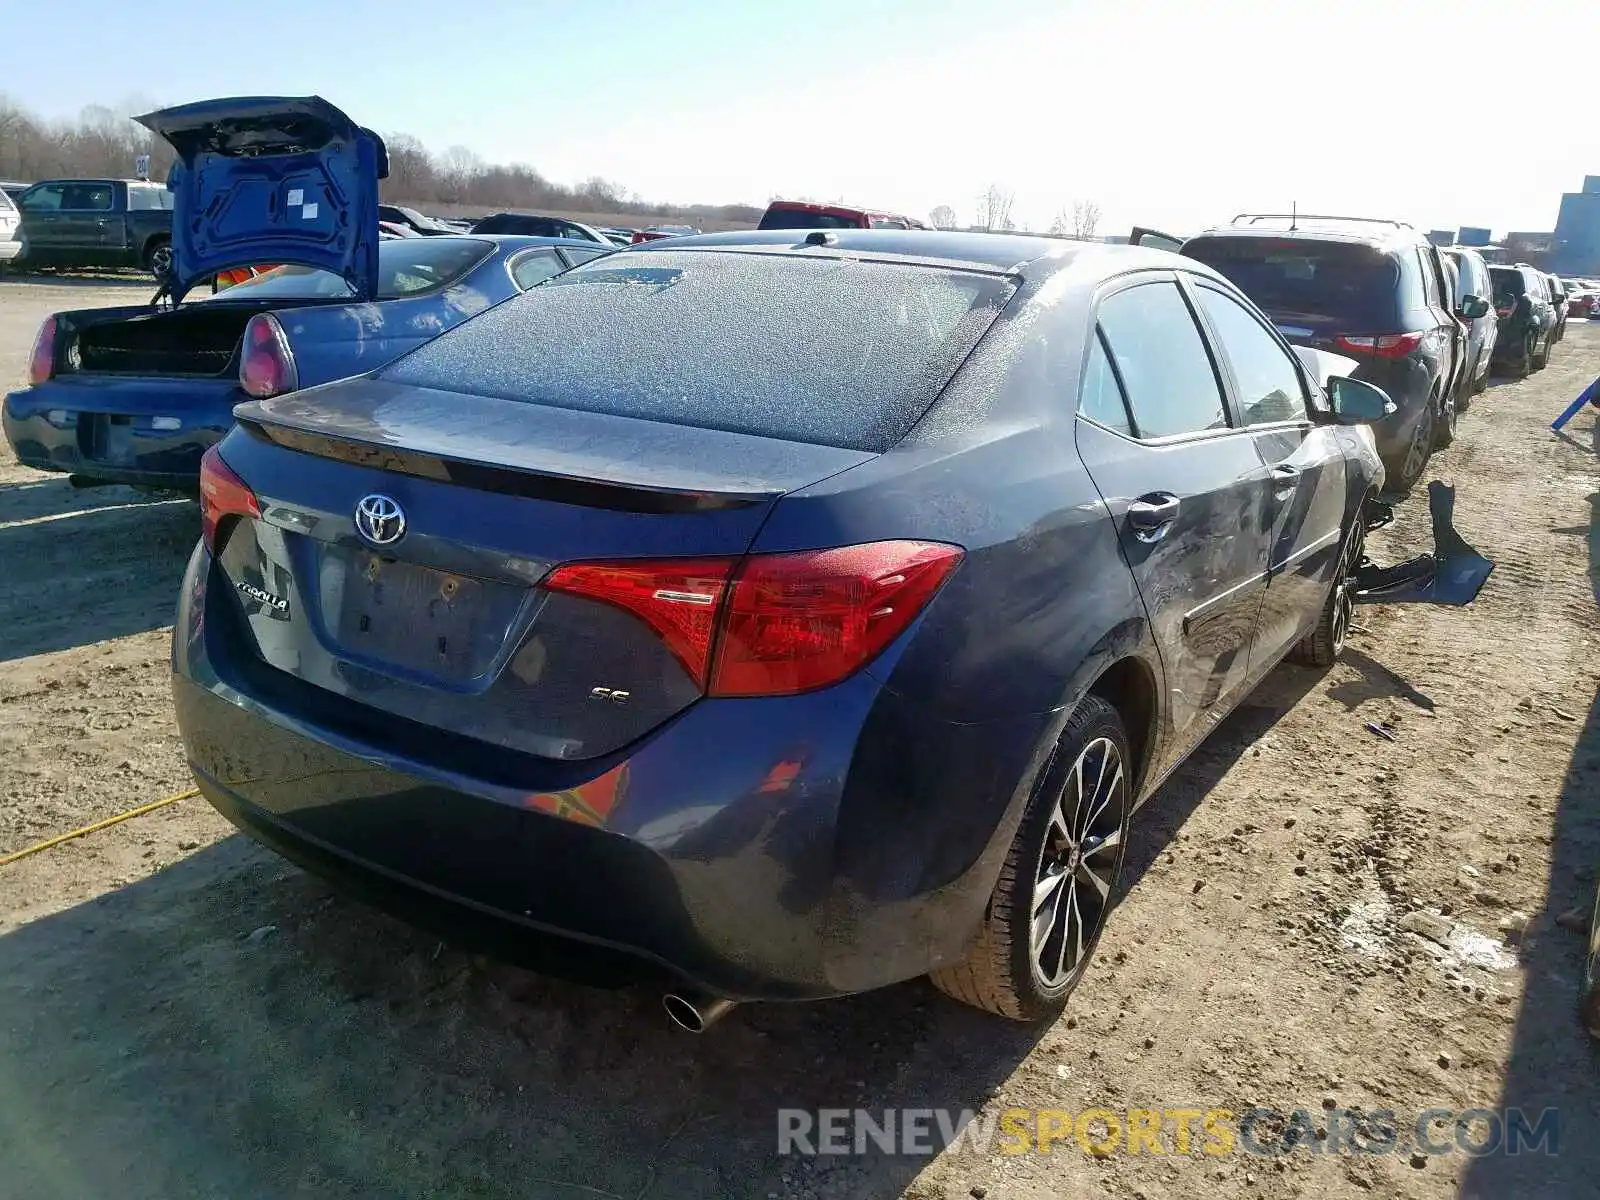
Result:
<point x="1558" y="305"/>
<point x="1372" y="290"/>
<point x="1527" y="320"/>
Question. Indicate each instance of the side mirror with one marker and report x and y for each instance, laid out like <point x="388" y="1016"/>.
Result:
<point x="1473" y="307"/>
<point x="1356" y="403"/>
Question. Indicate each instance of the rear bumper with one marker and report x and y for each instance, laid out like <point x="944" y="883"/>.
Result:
<point x="81" y="429"/>
<point x="785" y="848"/>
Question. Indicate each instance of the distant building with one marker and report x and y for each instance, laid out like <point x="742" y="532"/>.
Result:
<point x="1473" y="235"/>
<point x="1576" y="246"/>
<point x="1442" y="237"/>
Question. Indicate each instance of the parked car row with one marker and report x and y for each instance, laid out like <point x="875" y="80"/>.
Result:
<point x="1426" y="324"/>
<point x="788" y="612"/>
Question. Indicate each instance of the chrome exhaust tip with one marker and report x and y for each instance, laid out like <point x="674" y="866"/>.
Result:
<point x="695" y="1013"/>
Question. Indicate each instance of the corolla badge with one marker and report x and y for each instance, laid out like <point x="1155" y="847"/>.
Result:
<point x="262" y="596"/>
<point x="380" y="519"/>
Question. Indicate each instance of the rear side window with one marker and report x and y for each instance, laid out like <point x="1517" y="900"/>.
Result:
<point x="1352" y="283"/>
<point x="1171" y="384"/>
<point x="88" y="197"/>
<point x="837" y="352"/>
<point x="1533" y="285"/>
<point x="1101" y="395"/>
<point x="799" y="218"/>
<point x="533" y="269"/>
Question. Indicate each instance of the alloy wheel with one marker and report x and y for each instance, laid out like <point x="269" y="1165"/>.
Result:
<point x="1421" y="442"/>
<point x="1344" y="587"/>
<point x="1077" y="864"/>
<point x="161" y="261"/>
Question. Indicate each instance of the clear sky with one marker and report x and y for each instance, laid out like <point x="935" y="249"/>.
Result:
<point x="1172" y="113"/>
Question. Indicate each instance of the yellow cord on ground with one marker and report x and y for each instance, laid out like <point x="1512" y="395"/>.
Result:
<point x="8" y="859"/>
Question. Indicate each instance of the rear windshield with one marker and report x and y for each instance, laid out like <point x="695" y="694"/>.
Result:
<point x="1353" y="283"/>
<point x="514" y="223"/>
<point x="837" y="352"/>
<point x="406" y="267"/>
<point x="800" y="218"/>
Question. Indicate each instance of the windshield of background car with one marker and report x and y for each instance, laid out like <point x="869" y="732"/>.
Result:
<point x="406" y="267"/>
<point x="799" y="218"/>
<point x="1355" y="284"/>
<point x="833" y="351"/>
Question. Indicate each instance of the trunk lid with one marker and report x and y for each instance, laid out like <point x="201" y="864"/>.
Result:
<point x="404" y="534"/>
<point x="271" y="179"/>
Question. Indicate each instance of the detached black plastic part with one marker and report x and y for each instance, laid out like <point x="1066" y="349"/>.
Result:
<point x="1453" y="574"/>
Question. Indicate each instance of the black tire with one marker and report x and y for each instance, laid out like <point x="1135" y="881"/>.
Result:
<point x="158" y="257"/>
<point x="1444" y="431"/>
<point x="1075" y="831"/>
<point x="1323" y="645"/>
<point x="1540" y="359"/>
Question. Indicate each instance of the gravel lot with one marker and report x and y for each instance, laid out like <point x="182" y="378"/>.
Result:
<point x="182" y="1014"/>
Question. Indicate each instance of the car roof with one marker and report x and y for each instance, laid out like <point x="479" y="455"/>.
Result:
<point x="1380" y="234"/>
<point x="1007" y="253"/>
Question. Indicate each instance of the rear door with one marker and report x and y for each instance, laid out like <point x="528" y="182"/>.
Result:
<point x="1306" y="503"/>
<point x="1189" y="493"/>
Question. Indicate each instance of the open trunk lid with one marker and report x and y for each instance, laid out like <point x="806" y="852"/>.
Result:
<point x="404" y="537"/>
<point x="271" y="179"/>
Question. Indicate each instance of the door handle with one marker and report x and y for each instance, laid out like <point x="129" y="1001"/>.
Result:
<point x="1152" y="515"/>
<point x="1285" y="479"/>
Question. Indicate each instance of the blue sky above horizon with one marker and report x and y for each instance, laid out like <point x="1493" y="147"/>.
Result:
<point x="1163" y="112"/>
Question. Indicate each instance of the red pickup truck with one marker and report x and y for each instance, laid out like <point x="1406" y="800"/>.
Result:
<point x="797" y="214"/>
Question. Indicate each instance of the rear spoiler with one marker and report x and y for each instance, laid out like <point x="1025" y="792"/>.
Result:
<point x="509" y="481"/>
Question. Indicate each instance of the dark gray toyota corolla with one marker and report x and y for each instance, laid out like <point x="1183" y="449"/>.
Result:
<point x="798" y="618"/>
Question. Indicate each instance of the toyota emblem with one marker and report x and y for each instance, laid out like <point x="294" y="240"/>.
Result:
<point x="380" y="520"/>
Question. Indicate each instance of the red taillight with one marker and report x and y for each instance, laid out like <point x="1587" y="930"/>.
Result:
<point x="42" y="362"/>
<point x="222" y="494"/>
<point x="266" y="364"/>
<point x="801" y="621"/>
<point x="784" y="623"/>
<point x="1389" y="345"/>
<point x="678" y="598"/>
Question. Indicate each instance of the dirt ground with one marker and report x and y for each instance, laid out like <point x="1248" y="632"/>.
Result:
<point x="183" y="1014"/>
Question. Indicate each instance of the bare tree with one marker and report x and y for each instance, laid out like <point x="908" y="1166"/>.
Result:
<point x="1085" y="219"/>
<point x="994" y="208"/>
<point x="943" y="217"/>
<point x="104" y="141"/>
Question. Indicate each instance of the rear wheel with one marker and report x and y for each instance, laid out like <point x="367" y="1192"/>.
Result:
<point x="1521" y="363"/>
<point x="1444" y="432"/>
<point x="158" y="259"/>
<point x="1540" y="359"/>
<point x="1323" y="645"/>
<point x="1419" y="451"/>
<point x="1054" y="892"/>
